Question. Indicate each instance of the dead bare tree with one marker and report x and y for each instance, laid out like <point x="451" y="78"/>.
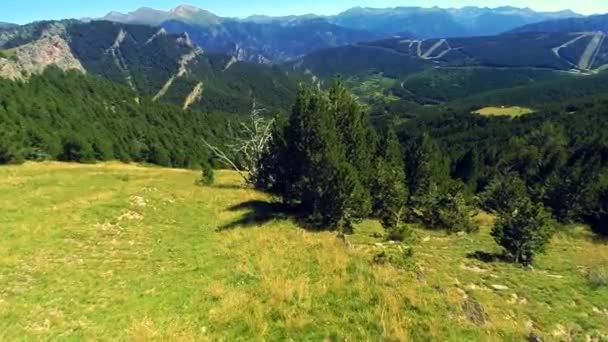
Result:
<point x="247" y="145"/>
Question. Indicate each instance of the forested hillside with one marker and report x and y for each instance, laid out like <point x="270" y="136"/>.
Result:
<point x="73" y="117"/>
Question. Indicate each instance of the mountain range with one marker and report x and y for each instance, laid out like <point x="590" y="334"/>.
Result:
<point x="6" y="25"/>
<point x="196" y="60"/>
<point x="278" y="39"/>
<point x="588" y="24"/>
<point x="153" y="63"/>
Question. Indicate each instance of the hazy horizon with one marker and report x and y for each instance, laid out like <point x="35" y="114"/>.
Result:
<point x="26" y="11"/>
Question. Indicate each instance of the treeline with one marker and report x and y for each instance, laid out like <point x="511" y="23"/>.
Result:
<point x="328" y="162"/>
<point x="561" y="157"/>
<point x="73" y="117"/>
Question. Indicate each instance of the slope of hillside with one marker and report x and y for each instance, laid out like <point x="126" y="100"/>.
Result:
<point x="444" y="22"/>
<point x="586" y="24"/>
<point x="148" y="60"/>
<point x="70" y="116"/>
<point x="433" y="22"/>
<point x="526" y="50"/>
<point x="127" y="252"/>
<point x="4" y="25"/>
<point x="265" y="39"/>
<point x="270" y="42"/>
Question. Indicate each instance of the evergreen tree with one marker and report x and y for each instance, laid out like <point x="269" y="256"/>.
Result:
<point x="9" y="153"/>
<point x="158" y="155"/>
<point x="537" y="157"/>
<point x="389" y="191"/>
<point x="356" y="134"/>
<point x="308" y="163"/>
<point x="500" y="195"/>
<point x="467" y="168"/>
<point x="523" y="231"/>
<point x="208" y="174"/>
<point x="77" y="150"/>
<point x="426" y="168"/>
<point x="445" y="209"/>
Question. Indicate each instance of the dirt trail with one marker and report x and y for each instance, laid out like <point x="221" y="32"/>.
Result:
<point x="588" y="57"/>
<point x="568" y="43"/>
<point x="429" y="52"/>
<point x="427" y="55"/>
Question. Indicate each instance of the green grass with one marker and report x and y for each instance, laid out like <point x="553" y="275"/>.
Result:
<point x="8" y="53"/>
<point x="120" y="252"/>
<point x="513" y="112"/>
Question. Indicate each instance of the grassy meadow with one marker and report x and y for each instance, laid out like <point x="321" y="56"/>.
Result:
<point x="504" y="111"/>
<point x="123" y="252"/>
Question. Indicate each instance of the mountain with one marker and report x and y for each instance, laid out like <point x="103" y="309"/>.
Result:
<point x="270" y="42"/>
<point x="435" y="21"/>
<point x="438" y="22"/>
<point x="587" y="24"/>
<point x="412" y="76"/>
<point x="153" y="63"/>
<point x="7" y="25"/>
<point x="260" y="40"/>
<point x="153" y="17"/>
<point x="576" y="52"/>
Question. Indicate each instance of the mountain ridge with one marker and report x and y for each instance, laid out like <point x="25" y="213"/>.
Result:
<point x="426" y="22"/>
<point x="152" y="62"/>
<point x="591" y="23"/>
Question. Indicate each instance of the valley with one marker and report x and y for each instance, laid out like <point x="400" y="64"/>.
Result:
<point x="399" y="174"/>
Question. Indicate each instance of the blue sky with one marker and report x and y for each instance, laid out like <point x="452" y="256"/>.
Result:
<point x="23" y="11"/>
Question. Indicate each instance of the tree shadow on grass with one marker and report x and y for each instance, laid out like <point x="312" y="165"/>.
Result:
<point x="258" y="213"/>
<point x="489" y="257"/>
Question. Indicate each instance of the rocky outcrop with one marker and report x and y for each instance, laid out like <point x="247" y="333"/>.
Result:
<point x="33" y="58"/>
<point x="195" y="95"/>
<point x="182" y="71"/>
<point x="160" y="32"/>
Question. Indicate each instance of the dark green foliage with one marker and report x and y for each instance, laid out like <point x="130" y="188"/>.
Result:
<point x="9" y="152"/>
<point x="426" y="167"/>
<point x="208" y="174"/>
<point x="524" y="230"/>
<point x="389" y="191"/>
<point x="500" y="194"/>
<point x="158" y="155"/>
<point x="146" y="66"/>
<point x="76" y="149"/>
<point x="73" y="117"/>
<point x="595" y="210"/>
<point x="467" y="168"/>
<point x="447" y="210"/>
<point x="319" y="163"/>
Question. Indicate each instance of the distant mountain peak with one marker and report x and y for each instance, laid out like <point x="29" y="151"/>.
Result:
<point x="185" y="10"/>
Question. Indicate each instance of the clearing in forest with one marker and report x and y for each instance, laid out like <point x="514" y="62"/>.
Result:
<point x="514" y="111"/>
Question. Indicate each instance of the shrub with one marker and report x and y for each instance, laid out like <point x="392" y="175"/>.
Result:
<point x="9" y="154"/>
<point x="598" y="277"/>
<point x="523" y="231"/>
<point x="446" y="210"/>
<point x="500" y="193"/>
<point x="208" y="174"/>
<point x="76" y="150"/>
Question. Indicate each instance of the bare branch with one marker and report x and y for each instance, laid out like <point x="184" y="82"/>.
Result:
<point x="249" y="143"/>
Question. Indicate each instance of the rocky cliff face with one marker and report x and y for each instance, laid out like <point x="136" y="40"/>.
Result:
<point x="33" y="58"/>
